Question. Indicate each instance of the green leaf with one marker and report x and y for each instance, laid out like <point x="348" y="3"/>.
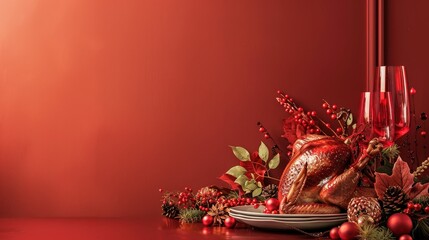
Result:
<point x="349" y="119"/>
<point x="263" y="152"/>
<point x="241" y="153"/>
<point x="274" y="163"/>
<point x="241" y="180"/>
<point x="236" y="171"/>
<point x="250" y="186"/>
<point x="256" y="192"/>
<point x="259" y="184"/>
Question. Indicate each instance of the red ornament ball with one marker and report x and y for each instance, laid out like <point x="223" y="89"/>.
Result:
<point x="333" y="234"/>
<point x="207" y="220"/>
<point x="230" y="222"/>
<point x="427" y="209"/>
<point x="405" y="237"/>
<point x="348" y="231"/>
<point x="399" y="224"/>
<point x="272" y="204"/>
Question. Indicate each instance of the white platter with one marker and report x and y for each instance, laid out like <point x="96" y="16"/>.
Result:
<point x="270" y="223"/>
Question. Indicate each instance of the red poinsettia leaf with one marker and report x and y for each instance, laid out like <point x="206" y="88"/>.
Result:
<point x="419" y="190"/>
<point x="401" y="177"/>
<point x="289" y="128"/>
<point x="230" y="180"/>
<point x="255" y="166"/>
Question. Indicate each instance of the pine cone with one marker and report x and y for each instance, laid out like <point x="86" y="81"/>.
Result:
<point x="394" y="200"/>
<point x="361" y="206"/>
<point x="270" y="191"/>
<point x="219" y="212"/>
<point x="170" y="211"/>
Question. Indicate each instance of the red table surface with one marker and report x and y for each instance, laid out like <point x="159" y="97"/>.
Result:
<point x="127" y="229"/>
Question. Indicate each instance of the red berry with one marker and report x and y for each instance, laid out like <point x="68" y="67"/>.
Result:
<point x="339" y="130"/>
<point x="427" y="209"/>
<point x="300" y="109"/>
<point x="311" y="131"/>
<point x="275" y="212"/>
<point x="413" y="91"/>
<point x="325" y="105"/>
<point x="279" y="92"/>
<point x="334" y="107"/>
<point x="207" y="220"/>
<point x="256" y="206"/>
<point x="333" y="116"/>
<point x="317" y="130"/>
<point x="410" y="205"/>
<point x="328" y="125"/>
<point x="329" y="111"/>
<point x="160" y="190"/>
<point x="417" y="207"/>
<point x="261" y="129"/>
<point x="290" y="111"/>
<point x="230" y="222"/>
<point x="311" y="122"/>
<point x="423" y="133"/>
<point x="272" y="204"/>
<point x="313" y="113"/>
<point x="266" y="136"/>
<point x="333" y="234"/>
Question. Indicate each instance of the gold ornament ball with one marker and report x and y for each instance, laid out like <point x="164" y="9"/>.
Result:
<point x="364" y="220"/>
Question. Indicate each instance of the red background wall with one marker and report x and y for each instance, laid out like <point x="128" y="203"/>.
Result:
<point x="103" y="102"/>
<point x="406" y="43"/>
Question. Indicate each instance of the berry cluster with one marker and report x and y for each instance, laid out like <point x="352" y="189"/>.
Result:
<point x="308" y="120"/>
<point x="416" y="208"/>
<point x="233" y="202"/>
<point x="184" y="199"/>
<point x="207" y="197"/>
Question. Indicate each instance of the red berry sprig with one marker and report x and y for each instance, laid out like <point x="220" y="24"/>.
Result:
<point x="275" y="149"/>
<point x="308" y="120"/>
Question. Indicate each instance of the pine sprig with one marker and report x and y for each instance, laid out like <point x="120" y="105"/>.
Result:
<point x="191" y="215"/>
<point x="371" y="232"/>
<point x="390" y="153"/>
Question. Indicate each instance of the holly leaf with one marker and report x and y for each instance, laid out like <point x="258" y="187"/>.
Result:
<point x="256" y="192"/>
<point x="241" y="180"/>
<point x="349" y="120"/>
<point x="274" y="163"/>
<point x="241" y="153"/>
<point x="263" y="151"/>
<point x="401" y="177"/>
<point x="236" y="171"/>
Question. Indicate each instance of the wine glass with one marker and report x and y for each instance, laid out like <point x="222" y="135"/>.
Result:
<point x="376" y="114"/>
<point x="392" y="79"/>
<point x="365" y="115"/>
<point x="383" y="124"/>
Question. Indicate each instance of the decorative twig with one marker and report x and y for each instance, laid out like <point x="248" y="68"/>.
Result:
<point x="420" y="169"/>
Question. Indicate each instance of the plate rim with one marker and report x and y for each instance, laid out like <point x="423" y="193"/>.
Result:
<point x="239" y="210"/>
